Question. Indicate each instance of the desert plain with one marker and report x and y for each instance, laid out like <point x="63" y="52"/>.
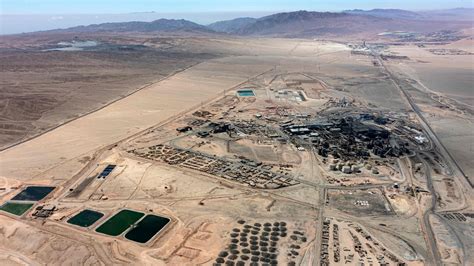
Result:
<point x="254" y="150"/>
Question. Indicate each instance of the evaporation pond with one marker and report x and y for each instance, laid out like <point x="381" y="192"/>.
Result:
<point x="147" y="228"/>
<point x="86" y="218"/>
<point x="33" y="193"/>
<point x="16" y="208"/>
<point x="119" y="222"/>
<point x="245" y="93"/>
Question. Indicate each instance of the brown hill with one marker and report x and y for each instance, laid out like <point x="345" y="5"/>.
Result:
<point x="316" y="24"/>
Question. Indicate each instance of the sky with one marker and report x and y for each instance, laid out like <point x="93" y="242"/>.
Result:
<point x="185" y="6"/>
<point x="17" y="16"/>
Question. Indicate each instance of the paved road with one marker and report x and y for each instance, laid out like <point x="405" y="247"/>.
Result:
<point x="426" y="217"/>
<point x="455" y="168"/>
<point x="431" y="241"/>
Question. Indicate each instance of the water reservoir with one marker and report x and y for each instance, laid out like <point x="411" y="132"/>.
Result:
<point x="245" y="93"/>
<point x="85" y="218"/>
<point x="119" y="222"/>
<point x="147" y="228"/>
<point x="33" y="193"/>
<point x="16" y="208"/>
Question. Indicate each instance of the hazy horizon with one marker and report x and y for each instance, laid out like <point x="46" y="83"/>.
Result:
<point x="191" y="6"/>
<point x="11" y="23"/>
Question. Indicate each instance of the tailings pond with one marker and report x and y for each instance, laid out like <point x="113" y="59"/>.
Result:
<point x="147" y="228"/>
<point x="33" y="193"/>
<point x="85" y="218"/>
<point x="119" y="222"/>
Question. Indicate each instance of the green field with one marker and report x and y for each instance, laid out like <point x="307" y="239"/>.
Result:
<point x="119" y="222"/>
<point x="16" y="208"/>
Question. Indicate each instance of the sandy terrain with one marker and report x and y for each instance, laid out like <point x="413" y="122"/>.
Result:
<point x="146" y="108"/>
<point x="451" y="77"/>
<point x="133" y="114"/>
<point x="41" y="89"/>
<point x="164" y="169"/>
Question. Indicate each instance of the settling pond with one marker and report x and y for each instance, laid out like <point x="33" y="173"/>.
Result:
<point x="33" y="193"/>
<point x="120" y="222"/>
<point x="16" y="208"/>
<point x="147" y="228"/>
<point x="85" y="218"/>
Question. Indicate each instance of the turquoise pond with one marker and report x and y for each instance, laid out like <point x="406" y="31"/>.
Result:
<point x="245" y="93"/>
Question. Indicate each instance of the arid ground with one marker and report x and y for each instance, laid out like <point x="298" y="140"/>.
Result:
<point x="230" y="171"/>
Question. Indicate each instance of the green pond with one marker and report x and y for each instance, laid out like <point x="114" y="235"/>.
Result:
<point x="33" y="193"/>
<point x="245" y="93"/>
<point x="85" y="218"/>
<point x="16" y="208"/>
<point x="148" y="227"/>
<point x="119" y="222"/>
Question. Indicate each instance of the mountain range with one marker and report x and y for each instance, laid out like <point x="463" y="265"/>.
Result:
<point x="305" y="23"/>
<point x="163" y="25"/>
<point x="230" y="26"/>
